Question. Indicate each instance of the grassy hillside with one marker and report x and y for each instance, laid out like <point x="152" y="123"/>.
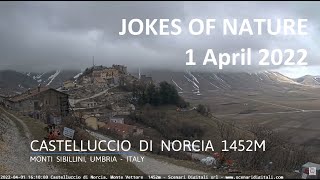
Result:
<point x="11" y="80"/>
<point x="38" y="132"/>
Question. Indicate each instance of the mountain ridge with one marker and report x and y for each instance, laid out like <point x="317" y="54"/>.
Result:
<point x="12" y="81"/>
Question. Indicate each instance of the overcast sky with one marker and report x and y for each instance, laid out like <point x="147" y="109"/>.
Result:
<point x="42" y="36"/>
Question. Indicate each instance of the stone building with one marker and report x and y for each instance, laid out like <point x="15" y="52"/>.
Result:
<point x="122" y="69"/>
<point x="2" y="99"/>
<point x="43" y="103"/>
<point x="122" y="130"/>
<point x="102" y="76"/>
<point x="88" y="104"/>
<point x="146" y="79"/>
<point x="68" y="84"/>
<point x="122" y="109"/>
<point x="119" y="120"/>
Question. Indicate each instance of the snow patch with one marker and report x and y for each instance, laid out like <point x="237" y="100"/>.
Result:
<point x="214" y="85"/>
<point x="52" y="77"/>
<point x="266" y="74"/>
<point x="275" y="74"/>
<point x="194" y="84"/>
<point x="38" y="76"/>
<point x="316" y="80"/>
<point x="259" y="76"/>
<point x="222" y="82"/>
<point x="176" y="84"/>
<point x="282" y="78"/>
<point x="193" y="77"/>
<point x="77" y="76"/>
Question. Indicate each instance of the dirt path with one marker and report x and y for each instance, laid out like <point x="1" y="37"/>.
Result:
<point x="151" y="165"/>
<point x="269" y="113"/>
<point x="294" y="110"/>
<point x="25" y="128"/>
<point x="15" y="151"/>
<point x="75" y="101"/>
<point x="264" y="102"/>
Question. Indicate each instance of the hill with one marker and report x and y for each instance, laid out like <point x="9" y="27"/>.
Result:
<point x="199" y="82"/>
<point x="309" y="80"/>
<point x="13" y="82"/>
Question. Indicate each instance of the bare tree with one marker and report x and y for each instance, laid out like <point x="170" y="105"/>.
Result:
<point x="279" y="154"/>
<point x="227" y="132"/>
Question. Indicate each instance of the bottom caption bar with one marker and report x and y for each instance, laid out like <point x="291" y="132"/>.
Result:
<point x="141" y="177"/>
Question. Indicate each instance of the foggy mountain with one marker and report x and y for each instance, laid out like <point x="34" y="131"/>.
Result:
<point x="199" y="82"/>
<point x="309" y="80"/>
<point x="13" y="82"/>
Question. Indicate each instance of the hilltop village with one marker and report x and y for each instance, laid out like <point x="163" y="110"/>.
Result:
<point x="93" y="97"/>
<point x="113" y="103"/>
<point x="110" y="101"/>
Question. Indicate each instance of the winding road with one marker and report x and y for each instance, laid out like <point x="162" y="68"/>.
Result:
<point x="267" y="113"/>
<point x="75" y="101"/>
<point x="153" y="166"/>
<point x="15" y="149"/>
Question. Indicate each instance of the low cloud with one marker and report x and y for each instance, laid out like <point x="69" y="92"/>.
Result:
<point x="42" y="36"/>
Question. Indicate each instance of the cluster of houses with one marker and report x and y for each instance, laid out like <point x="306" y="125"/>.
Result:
<point x="116" y="125"/>
<point x="43" y="103"/>
<point x="51" y="107"/>
<point x="108" y="112"/>
<point x="100" y="75"/>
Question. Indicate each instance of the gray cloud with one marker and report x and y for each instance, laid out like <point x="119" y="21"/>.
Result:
<point x="41" y="36"/>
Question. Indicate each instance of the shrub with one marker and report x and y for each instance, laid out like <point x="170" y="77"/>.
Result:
<point x="203" y="110"/>
<point x="164" y="94"/>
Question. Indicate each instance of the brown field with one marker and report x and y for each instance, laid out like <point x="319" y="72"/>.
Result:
<point x="293" y="113"/>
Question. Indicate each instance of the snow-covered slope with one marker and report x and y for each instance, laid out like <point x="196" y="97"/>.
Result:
<point x="309" y="80"/>
<point x="13" y="81"/>
<point x="198" y="82"/>
<point x="52" y="77"/>
<point x="185" y="81"/>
